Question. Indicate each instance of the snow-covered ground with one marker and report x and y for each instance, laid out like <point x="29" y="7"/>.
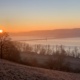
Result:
<point x="13" y="71"/>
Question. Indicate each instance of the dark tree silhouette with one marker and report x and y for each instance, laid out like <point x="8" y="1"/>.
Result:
<point x="7" y="48"/>
<point x="3" y="38"/>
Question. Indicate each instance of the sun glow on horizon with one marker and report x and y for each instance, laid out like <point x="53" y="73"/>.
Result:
<point x="29" y="15"/>
<point x="1" y="31"/>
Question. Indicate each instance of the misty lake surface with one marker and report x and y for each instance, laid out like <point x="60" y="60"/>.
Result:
<point x="69" y="42"/>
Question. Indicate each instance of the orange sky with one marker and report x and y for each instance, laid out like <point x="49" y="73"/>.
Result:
<point x="46" y="25"/>
<point x="29" y="15"/>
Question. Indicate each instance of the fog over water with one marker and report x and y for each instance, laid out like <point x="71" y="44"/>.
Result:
<point x="66" y="42"/>
<point x="46" y="41"/>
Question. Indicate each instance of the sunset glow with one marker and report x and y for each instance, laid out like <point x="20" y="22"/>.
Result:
<point x="1" y="31"/>
<point x="29" y="15"/>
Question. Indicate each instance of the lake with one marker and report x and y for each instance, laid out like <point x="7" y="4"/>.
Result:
<point x="68" y="43"/>
<point x="36" y="40"/>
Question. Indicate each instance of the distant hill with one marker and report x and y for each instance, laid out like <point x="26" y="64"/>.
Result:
<point x="13" y="71"/>
<point x="58" y="33"/>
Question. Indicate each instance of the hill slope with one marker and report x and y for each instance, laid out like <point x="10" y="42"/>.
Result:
<point x="12" y="71"/>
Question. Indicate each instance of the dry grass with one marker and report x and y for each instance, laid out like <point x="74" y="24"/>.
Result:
<point x="12" y="71"/>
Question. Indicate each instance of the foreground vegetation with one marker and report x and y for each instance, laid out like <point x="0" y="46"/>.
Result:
<point x="12" y="71"/>
<point x="44" y="56"/>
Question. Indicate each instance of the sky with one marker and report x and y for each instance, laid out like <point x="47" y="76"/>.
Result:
<point x="29" y="15"/>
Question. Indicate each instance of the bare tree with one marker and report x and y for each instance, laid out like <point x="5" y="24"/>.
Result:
<point x="7" y="48"/>
<point x="4" y="37"/>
